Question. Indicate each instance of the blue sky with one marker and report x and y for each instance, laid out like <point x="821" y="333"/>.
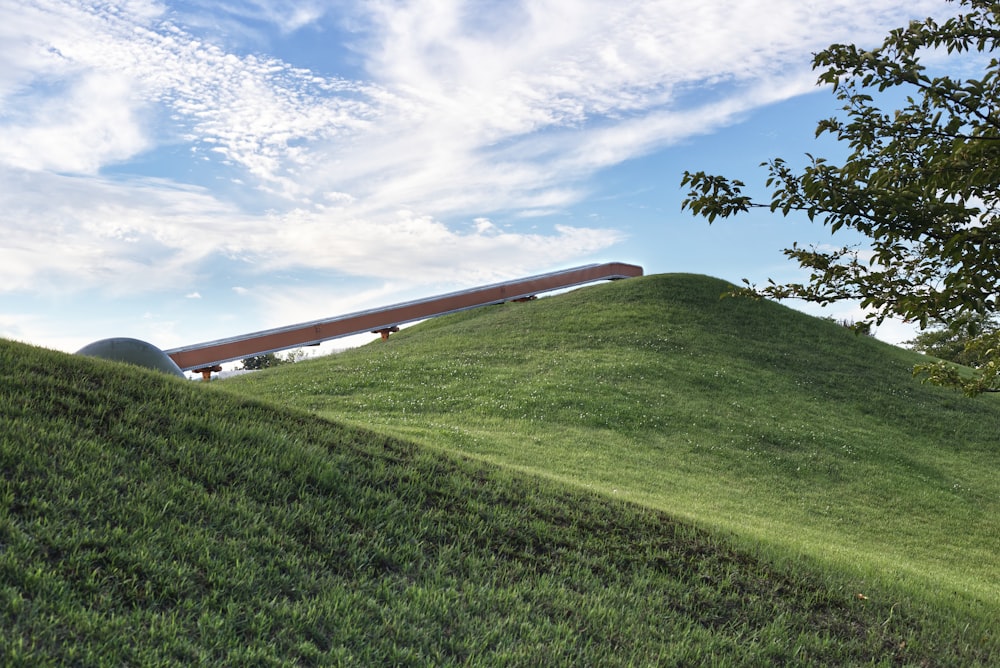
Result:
<point x="180" y="172"/>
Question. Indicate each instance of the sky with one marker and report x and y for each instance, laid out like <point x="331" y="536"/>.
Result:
<point x="180" y="172"/>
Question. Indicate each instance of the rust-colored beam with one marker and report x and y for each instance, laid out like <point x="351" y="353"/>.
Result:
<point x="212" y="353"/>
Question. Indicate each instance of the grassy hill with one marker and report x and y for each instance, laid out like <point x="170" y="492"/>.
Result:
<point x="693" y="463"/>
<point x="786" y="430"/>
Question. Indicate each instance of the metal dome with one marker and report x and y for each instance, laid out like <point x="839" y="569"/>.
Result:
<point x="132" y="351"/>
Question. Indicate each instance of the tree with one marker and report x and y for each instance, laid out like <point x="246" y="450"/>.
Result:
<point x="951" y="340"/>
<point x="267" y="360"/>
<point x="262" y="361"/>
<point x="922" y="182"/>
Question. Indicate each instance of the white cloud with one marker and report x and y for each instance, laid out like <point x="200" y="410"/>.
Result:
<point x="287" y="15"/>
<point x="480" y="114"/>
<point x="66" y="233"/>
<point x="92" y="70"/>
<point x="15" y="326"/>
<point x="469" y="112"/>
<point x="95" y="124"/>
<point x="453" y="85"/>
<point x="285" y="305"/>
<point x="414" y="245"/>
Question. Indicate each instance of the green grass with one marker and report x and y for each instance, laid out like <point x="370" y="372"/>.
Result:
<point x="631" y="474"/>
<point x="787" y="431"/>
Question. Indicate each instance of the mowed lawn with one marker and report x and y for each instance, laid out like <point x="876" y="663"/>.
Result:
<point x="789" y="432"/>
<point x="636" y="473"/>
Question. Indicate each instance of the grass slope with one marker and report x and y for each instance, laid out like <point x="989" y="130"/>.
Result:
<point x="145" y="520"/>
<point x="787" y="430"/>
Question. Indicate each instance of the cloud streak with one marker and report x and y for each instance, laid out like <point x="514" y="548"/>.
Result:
<point x="458" y="113"/>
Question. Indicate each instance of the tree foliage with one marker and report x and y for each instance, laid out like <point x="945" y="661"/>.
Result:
<point x="268" y="360"/>
<point x="953" y="340"/>
<point x="922" y="182"/>
<point x="262" y="361"/>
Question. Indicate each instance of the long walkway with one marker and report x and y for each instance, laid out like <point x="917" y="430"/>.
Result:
<point x="389" y="318"/>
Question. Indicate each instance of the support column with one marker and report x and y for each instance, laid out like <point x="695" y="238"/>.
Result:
<point x="386" y="331"/>
<point x="206" y="372"/>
